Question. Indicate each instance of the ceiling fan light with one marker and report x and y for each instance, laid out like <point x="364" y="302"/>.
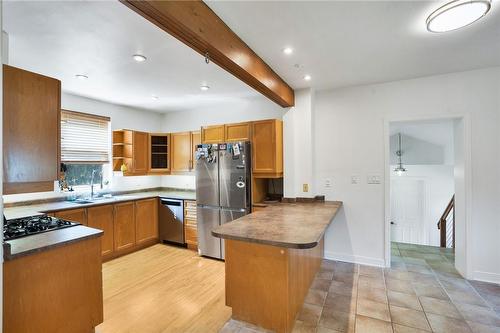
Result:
<point x="457" y="14"/>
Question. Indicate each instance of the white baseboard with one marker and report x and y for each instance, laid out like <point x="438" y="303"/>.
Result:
<point x="487" y="277"/>
<point x="369" y="261"/>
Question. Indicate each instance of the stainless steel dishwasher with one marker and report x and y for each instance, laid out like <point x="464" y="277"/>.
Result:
<point x="171" y="221"/>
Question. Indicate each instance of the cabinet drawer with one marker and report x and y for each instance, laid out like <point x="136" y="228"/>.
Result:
<point x="190" y="210"/>
<point x="191" y="222"/>
<point x="191" y="235"/>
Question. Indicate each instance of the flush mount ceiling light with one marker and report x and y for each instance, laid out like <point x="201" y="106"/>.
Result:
<point x="155" y="97"/>
<point x="204" y="88"/>
<point x="81" y="76"/>
<point x="287" y="50"/>
<point x="139" y="57"/>
<point x="307" y="77"/>
<point x="457" y="14"/>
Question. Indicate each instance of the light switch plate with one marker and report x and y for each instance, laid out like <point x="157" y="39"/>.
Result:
<point x="354" y="179"/>
<point x="328" y="182"/>
<point x="305" y="187"/>
<point x="373" y="179"/>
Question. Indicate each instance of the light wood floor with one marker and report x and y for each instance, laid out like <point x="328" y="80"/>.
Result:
<point x="163" y="289"/>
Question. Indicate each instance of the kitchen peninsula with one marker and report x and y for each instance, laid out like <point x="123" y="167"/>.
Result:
<point x="272" y="256"/>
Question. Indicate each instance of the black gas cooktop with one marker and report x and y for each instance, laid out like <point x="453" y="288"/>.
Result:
<point x="31" y="225"/>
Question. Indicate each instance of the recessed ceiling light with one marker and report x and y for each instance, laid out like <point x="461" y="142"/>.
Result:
<point x="457" y="14"/>
<point x="307" y="77"/>
<point x="139" y="57"/>
<point x="287" y="50"/>
<point x="155" y="97"/>
<point x="204" y="87"/>
<point x="81" y="77"/>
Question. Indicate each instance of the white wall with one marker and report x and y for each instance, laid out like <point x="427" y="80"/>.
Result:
<point x="460" y="198"/>
<point x="231" y="112"/>
<point x="416" y="151"/>
<point x="298" y="146"/>
<point x="349" y="136"/>
<point x="122" y="117"/>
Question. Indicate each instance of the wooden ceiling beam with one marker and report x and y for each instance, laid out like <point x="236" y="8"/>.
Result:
<point x="197" y="26"/>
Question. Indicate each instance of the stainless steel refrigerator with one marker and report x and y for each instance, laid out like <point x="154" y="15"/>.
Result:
<point x="223" y="190"/>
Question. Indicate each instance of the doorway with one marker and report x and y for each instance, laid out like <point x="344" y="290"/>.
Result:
<point x="425" y="161"/>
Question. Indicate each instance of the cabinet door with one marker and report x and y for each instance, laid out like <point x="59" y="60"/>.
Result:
<point x="101" y="217"/>
<point x="124" y="226"/>
<point x="212" y="134"/>
<point x="31" y="126"/>
<point x="146" y="220"/>
<point x="74" y="215"/>
<point x="267" y="147"/>
<point x="181" y="151"/>
<point x="195" y="141"/>
<point x="238" y="132"/>
<point x="140" y="146"/>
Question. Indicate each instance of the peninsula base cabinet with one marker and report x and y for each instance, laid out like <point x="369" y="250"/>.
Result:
<point x="128" y="226"/>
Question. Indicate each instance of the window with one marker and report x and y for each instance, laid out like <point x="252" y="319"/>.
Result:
<point x="85" y="147"/>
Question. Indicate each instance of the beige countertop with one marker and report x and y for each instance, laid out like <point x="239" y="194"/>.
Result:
<point x="291" y="225"/>
<point x="40" y="208"/>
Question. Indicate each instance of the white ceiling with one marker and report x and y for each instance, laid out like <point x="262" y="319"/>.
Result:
<point x="346" y="43"/>
<point x="64" y="38"/>
<point x="437" y="131"/>
<point x="340" y="43"/>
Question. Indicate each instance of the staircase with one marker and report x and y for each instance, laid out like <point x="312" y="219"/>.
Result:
<point x="446" y="225"/>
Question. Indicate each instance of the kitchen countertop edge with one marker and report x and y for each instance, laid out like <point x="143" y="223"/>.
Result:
<point x="284" y="244"/>
<point x="48" y="240"/>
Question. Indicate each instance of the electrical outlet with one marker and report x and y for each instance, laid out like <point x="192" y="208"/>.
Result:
<point x="305" y="187"/>
<point x="328" y="182"/>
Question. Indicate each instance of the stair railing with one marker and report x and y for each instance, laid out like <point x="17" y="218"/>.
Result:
<point x="446" y="225"/>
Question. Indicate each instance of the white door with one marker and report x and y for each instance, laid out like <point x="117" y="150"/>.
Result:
<point x="407" y="210"/>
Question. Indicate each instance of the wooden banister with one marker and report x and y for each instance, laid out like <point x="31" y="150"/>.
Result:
<point x="442" y="224"/>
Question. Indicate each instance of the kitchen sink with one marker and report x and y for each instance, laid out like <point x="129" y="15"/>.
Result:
<point x="81" y="202"/>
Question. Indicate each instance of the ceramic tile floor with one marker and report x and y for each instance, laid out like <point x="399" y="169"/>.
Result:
<point x="421" y="292"/>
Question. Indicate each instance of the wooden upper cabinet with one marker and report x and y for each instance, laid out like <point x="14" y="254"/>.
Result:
<point x="238" y="132"/>
<point x="212" y="134"/>
<point x="146" y="220"/>
<point x="195" y="141"/>
<point x="101" y="217"/>
<point x="159" y="153"/>
<point x="267" y="148"/>
<point x="124" y="226"/>
<point x="181" y="152"/>
<point x="31" y="131"/>
<point x="141" y="153"/>
<point x="75" y="215"/>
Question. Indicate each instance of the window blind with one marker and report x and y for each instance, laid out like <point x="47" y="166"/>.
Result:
<point x="85" y="138"/>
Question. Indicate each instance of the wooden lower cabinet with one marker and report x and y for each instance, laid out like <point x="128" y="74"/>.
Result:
<point x="190" y="224"/>
<point x="101" y="217"/>
<point x="57" y="290"/>
<point x="74" y="215"/>
<point x="146" y="220"/>
<point x="124" y="226"/>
